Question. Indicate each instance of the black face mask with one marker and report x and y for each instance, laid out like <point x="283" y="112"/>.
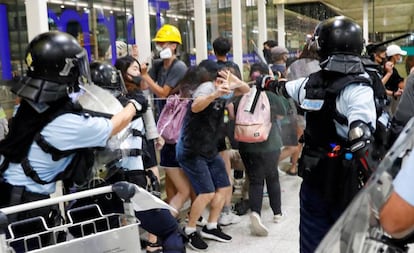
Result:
<point x="136" y="79"/>
<point x="267" y="55"/>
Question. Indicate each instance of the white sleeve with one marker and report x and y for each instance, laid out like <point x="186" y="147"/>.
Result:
<point x="296" y="89"/>
<point x="403" y="183"/>
<point x="356" y="102"/>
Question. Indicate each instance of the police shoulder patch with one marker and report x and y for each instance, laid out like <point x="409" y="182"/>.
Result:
<point x="312" y="104"/>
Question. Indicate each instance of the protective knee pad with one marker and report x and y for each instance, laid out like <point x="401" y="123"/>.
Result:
<point x="175" y="243"/>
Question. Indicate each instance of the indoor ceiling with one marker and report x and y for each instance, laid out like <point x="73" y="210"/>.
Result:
<point x="390" y="16"/>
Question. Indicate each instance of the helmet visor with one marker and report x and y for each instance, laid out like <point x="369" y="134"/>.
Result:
<point x="84" y="70"/>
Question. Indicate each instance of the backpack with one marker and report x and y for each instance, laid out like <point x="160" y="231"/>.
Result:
<point x="253" y="127"/>
<point x="171" y="118"/>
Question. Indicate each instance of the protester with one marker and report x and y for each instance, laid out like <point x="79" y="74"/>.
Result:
<point x="198" y="156"/>
<point x="260" y="160"/>
<point x="395" y="83"/>
<point x="221" y="47"/>
<point x="164" y="76"/>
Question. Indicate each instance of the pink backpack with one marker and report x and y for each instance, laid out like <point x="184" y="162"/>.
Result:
<point x="253" y="127"/>
<point x="171" y="118"/>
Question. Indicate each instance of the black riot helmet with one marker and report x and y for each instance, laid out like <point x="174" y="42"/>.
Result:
<point x="339" y="35"/>
<point x="57" y="64"/>
<point x="107" y="77"/>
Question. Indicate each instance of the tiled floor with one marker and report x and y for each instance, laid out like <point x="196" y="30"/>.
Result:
<point x="283" y="237"/>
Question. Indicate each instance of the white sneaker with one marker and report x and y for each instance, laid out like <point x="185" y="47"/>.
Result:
<point x="228" y="218"/>
<point x="256" y="225"/>
<point x="278" y="218"/>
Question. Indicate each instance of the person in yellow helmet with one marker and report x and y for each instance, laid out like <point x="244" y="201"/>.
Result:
<point x="167" y="71"/>
<point x="161" y="79"/>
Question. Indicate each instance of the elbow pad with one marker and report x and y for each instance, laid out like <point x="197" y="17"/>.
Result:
<point x="359" y="137"/>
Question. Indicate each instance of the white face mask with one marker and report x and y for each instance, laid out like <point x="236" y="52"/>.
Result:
<point x="400" y="60"/>
<point x="166" y="53"/>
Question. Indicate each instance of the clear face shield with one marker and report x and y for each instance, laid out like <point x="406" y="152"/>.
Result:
<point x="84" y="70"/>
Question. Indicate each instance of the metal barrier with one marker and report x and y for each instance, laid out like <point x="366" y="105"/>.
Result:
<point x="87" y="229"/>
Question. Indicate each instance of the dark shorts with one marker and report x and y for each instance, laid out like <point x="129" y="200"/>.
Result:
<point x="168" y="157"/>
<point x="205" y="175"/>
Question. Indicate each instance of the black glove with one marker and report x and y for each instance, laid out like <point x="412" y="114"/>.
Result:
<point x="262" y="82"/>
<point x="123" y="100"/>
<point x="271" y="84"/>
<point x="140" y="99"/>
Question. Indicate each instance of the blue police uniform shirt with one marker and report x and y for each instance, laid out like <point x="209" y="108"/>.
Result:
<point x="133" y="142"/>
<point x="353" y="102"/>
<point x="403" y="182"/>
<point x="66" y="132"/>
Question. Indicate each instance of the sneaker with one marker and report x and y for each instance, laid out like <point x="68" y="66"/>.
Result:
<point x="196" y="242"/>
<point x="281" y="172"/>
<point x="215" y="234"/>
<point x="228" y="218"/>
<point x="278" y="218"/>
<point x="256" y="225"/>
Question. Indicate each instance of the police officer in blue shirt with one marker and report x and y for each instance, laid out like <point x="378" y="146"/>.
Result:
<point x="340" y="117"/>
<point x="50" y="135"/>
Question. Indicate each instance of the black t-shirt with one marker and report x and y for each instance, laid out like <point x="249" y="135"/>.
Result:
<point x="394" y="80"/>
<point x="200" y="131"/>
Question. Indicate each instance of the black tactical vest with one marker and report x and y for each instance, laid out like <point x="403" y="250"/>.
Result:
<point x="16" y="146"/>
<point x="324" y="87"/>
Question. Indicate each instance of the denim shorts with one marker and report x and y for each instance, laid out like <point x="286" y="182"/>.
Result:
<point x="205" y="175"/>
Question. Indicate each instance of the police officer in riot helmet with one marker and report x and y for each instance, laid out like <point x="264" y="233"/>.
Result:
<point x="340" y="120"/>
<point x="50" y="136"/>
<point x="130" y="166"/>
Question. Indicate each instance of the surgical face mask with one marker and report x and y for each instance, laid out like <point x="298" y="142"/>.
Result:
<point x="227" y="96"/>
<point x="135" y="79"/>
<point x="166" y="53"/>
<point x="400" y="60"/>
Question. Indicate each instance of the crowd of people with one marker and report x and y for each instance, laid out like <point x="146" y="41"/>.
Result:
<point x="324" y="117"/>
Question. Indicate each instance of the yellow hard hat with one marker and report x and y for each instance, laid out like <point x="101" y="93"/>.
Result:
<point x="168" y="33"/>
